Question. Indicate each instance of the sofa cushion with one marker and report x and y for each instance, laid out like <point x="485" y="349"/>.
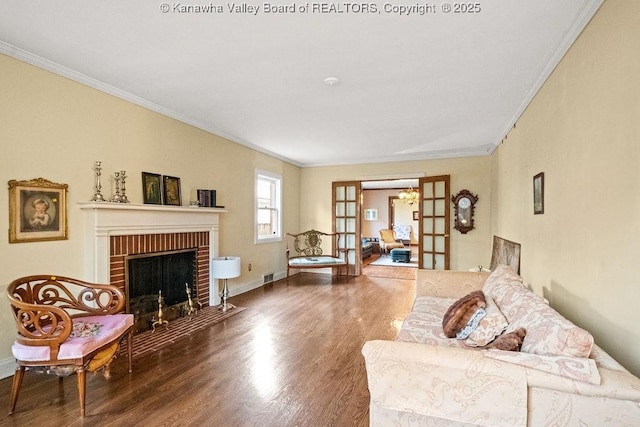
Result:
<point x="505" y="287"/>
<point x="461" y="312"/>
<point x="423" y="324"/>
<point x="491" y="326"/>
<point x="548" y="333"/>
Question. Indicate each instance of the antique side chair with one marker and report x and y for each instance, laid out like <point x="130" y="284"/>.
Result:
<point x="66" y="326"/>
<point x="308" y="252"/>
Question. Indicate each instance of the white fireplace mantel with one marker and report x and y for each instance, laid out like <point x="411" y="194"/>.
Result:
<point x="103" y="220"/>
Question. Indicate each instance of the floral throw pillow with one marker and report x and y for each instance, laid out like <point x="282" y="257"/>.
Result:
<point x="491" y="326"/>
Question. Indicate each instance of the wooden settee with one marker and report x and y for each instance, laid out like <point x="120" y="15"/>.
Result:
<point x="307" y="252"/>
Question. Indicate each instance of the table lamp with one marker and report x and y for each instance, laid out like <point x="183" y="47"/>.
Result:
<point x="225" y="268"/>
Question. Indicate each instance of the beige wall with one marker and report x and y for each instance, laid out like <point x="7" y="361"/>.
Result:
<point x="54" y="128"/>
<point x="583" y="131"/>
<point x="467" y="250"/>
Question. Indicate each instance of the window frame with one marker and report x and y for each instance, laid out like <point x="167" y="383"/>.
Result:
<point x="263" y="175"/>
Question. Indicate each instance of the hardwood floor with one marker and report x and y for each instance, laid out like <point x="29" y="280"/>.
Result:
<point x="292" y="358"/>
<point x="395" y="272"/>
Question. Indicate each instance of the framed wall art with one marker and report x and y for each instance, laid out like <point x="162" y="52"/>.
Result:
<point x="416" y="215"/>
<point x="151" y="188"/>
<point x="171" y="186"/>
<point x="505" y="252"/>
<point x="538" y="193"/>
<point x="37" y="211"/>
<point x="371" y="214"/>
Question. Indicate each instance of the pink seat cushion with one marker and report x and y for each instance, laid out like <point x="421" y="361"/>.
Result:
<point x="112" y="326"/>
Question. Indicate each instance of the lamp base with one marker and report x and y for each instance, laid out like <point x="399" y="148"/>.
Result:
<point x="225" y="306"/>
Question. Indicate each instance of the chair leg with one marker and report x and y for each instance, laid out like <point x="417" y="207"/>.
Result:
<point x="130" y="349"/>
<point x="82" y="388"/>
<point x="61" y="387"/>
<point x="15" y="389"/>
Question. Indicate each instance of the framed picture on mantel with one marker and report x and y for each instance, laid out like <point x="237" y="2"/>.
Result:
<point x="171" y="186"/>
<point x="151" y="188"/>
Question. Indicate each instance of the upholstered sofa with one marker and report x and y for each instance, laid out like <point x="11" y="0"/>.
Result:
<point x="558" y="378"/>
<point x="367" y="248"/>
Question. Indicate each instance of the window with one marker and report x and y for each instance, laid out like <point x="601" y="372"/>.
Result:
<point x="268" y="207"/>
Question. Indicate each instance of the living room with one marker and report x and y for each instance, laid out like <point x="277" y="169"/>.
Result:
<point x="581" y="129"/>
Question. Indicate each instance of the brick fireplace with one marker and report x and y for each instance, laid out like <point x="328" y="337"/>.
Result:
<point x="123" y="246"/>
<point x="114" y="231"/>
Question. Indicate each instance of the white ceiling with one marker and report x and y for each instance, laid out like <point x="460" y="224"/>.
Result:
<point x="411" y="87"/>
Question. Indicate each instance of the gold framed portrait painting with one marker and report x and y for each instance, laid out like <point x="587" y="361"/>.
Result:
<point x="37" y="211"/>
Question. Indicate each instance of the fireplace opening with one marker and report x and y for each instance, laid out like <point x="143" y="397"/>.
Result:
<point x="149" y="274"/>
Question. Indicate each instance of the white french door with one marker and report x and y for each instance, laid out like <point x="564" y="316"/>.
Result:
<point x="434" y="242"/>
<point x="346" y="221"/>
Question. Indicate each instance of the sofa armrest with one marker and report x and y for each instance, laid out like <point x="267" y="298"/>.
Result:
<point x="445" y="382"/>
<point x="448" y="283"/>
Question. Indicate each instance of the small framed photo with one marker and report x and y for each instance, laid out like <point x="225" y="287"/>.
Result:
<point x="538" y="193"/>
<point x="171" y="186"/>
<point x="37" y="211"/>
<point x="151" y="188"/>
<point x="371" y="214"/>
<point x="416" y="215"/>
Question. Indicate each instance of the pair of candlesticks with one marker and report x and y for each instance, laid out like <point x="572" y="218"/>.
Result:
<point x="119" y="178"/>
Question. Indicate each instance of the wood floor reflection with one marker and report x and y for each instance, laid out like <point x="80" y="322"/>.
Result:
<point x="395" y="272"/>
<point x="291" y="359"/>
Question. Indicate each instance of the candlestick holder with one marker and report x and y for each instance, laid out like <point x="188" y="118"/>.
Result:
<point x="123" y="190"/>
<point x="116" y="179"/>
<point x="97" y="195"/>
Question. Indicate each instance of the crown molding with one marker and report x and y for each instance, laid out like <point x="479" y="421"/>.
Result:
<point x="53" y="67"/>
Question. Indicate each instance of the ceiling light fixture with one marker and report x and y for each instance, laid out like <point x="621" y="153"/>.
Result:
<point x="332" y="81"/>
<point x="409" y="196"/>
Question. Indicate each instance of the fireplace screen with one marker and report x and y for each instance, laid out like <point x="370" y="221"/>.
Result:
<point x="149" y="274"/>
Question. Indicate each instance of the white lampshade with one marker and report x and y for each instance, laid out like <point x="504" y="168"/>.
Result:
<point x="225" y="267"/>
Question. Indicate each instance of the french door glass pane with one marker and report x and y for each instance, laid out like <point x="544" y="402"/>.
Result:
<point x="428" y="226"/>
<point x="427" y="261"/>
<point x="428" y="191"/>
<point x="351" y="209"/>
<point x="427" y="208"/>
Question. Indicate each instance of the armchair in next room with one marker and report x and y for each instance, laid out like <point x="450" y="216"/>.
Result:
<point x="389" y="241"/>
